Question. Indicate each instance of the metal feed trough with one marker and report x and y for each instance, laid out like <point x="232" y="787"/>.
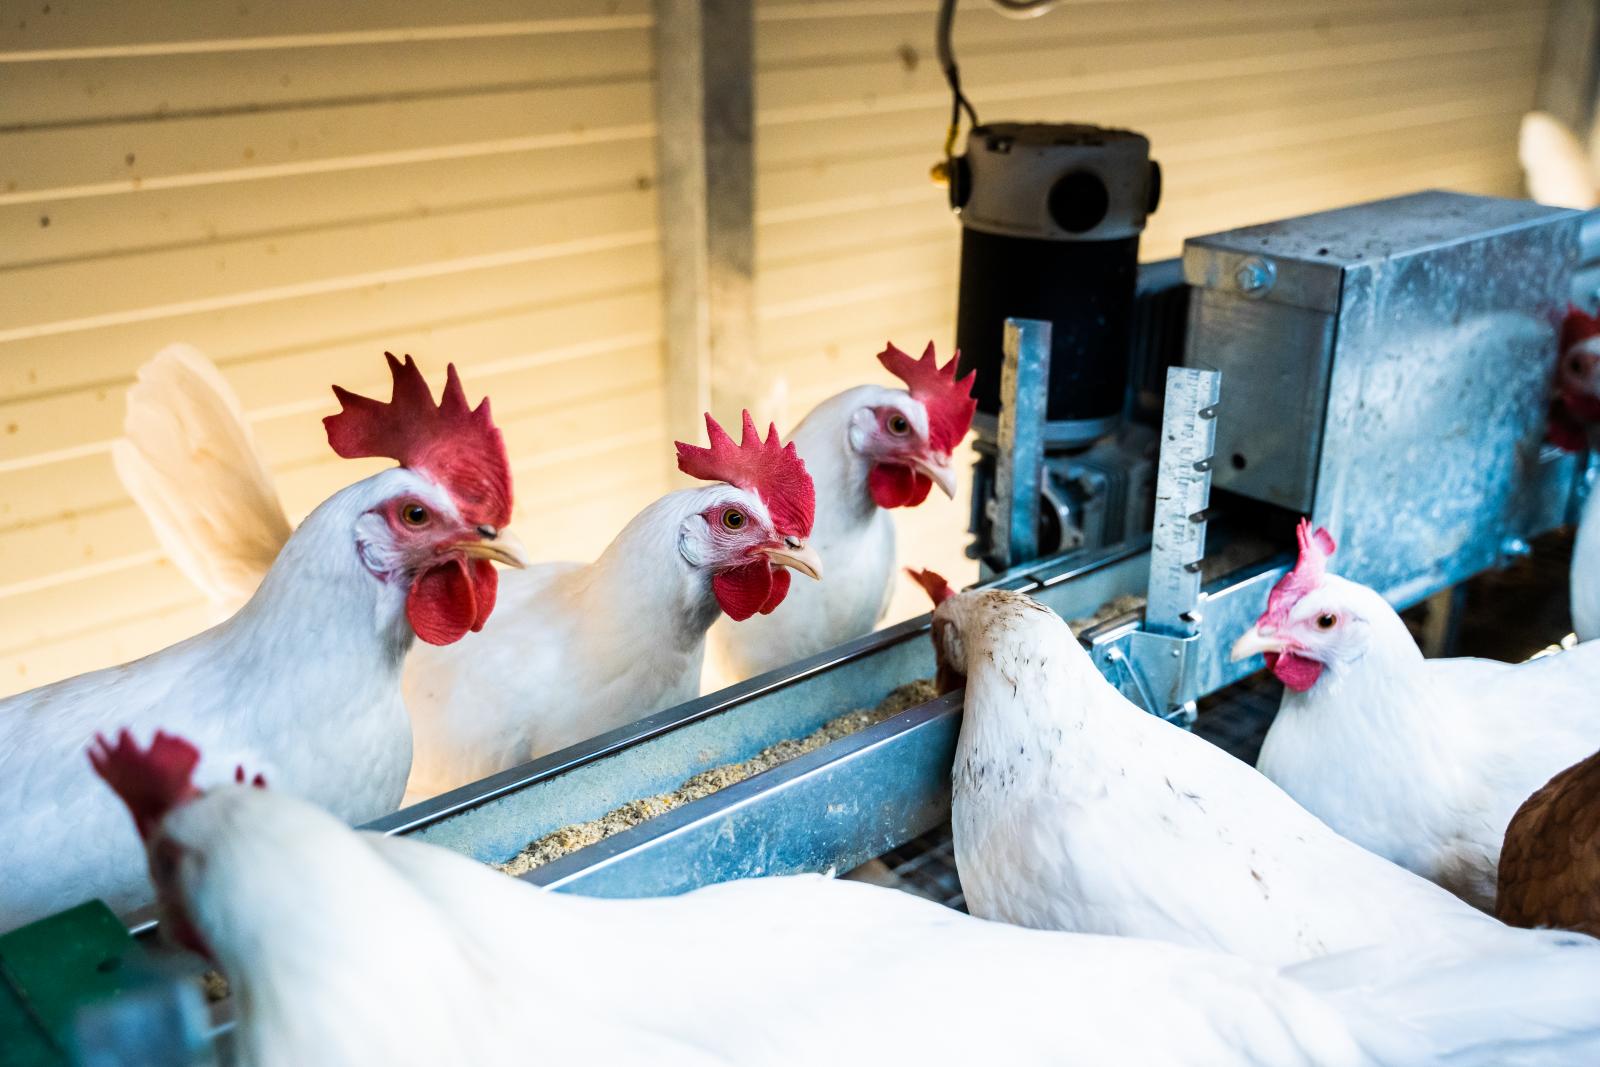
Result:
<point x="1384" y="369"/>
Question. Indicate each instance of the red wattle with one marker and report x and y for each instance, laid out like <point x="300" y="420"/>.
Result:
<point x="1296" y="672"/>
<point x="449" y="601"/>
<point x="780" y="589"/>
<point x="895" y="486"/>
<point x="743" y="591"/>
<point x="485" y="587"/>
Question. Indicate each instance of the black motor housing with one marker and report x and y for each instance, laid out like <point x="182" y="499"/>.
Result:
<point x="1051" y="217"/>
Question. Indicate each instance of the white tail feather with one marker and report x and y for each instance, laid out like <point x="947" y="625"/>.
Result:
<point x="189" y="460"/>
<point x="1556" y="165"/>
<point x="1524" y="997"/>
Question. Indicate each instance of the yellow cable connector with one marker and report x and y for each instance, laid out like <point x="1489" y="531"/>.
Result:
<point x="940" y="171"/>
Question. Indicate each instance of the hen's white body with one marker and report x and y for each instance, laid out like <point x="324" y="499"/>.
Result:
<point x="302" y="684"/>
<point x="1075" y="810"/>
<point x="1425" y="761"/>
<point x="390" y="951"/>
<point x="572" y="650"/>
<point x="1585" y="575"/>
<point x="852" y="534"/>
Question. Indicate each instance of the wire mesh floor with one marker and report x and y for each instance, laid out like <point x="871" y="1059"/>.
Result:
<point x="1508" y="614"/>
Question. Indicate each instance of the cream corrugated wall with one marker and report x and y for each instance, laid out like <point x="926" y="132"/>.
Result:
<point x="1256" y="109"/>
<point x="295" y="187"/>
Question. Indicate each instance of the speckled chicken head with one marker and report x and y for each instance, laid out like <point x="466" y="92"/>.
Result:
<point x="442" y="536"/>
<point x="751" y="536"/>
<point x="977" y="616"/>
<point x="1313" y="619"/>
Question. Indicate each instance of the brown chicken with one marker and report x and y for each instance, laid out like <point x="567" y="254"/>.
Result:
<point x="1550" y="864"/>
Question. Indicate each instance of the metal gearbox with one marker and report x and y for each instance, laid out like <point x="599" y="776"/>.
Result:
<point x="1387" y="368"/>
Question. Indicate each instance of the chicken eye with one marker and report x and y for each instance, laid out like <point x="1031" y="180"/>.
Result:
<point x="1327" y="621"/>
<point x="414" y="515"/>
<point x="898" y="425"/>
<point x="1575" y="366"/>
<point x="733" y="519"/>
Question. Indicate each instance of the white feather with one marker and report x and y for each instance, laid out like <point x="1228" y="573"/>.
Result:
<point x="347" y="948"/>
<point x="1554" y="163"/>
<point x="571" y="651"/>
<point x="854" y="537"/>
<point x="1585" y="575"/>
<point x="190" y="461"/>
<point x="1075" y="810"/>
<point x="302" y="684"/>
<point x="1425" y="761"/>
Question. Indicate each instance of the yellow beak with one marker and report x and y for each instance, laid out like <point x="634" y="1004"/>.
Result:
<point x="800" y="557"/>
<point x="1256" y="643"/>
<point x="940" y="469"/>
<point x="503" y="548"/>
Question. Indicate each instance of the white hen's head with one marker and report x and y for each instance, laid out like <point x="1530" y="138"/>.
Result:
<point x="435" y="525"/>
<point x="156" y="784"/>
<point x="752" y="529"/>
<point x="972" y="625"/>
<point x="1315" y="620"/>
<point x="907" y="437"/>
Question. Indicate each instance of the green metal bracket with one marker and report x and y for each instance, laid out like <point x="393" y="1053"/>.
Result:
<point x="49" y="970"/>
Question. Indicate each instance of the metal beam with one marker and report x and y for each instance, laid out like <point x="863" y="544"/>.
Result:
<point x="1024" y="392"/>
<point x="1568" y="71"/>
<point x="705" y="163"/>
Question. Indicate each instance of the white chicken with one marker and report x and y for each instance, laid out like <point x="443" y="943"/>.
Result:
<point x="304" y="680"/>
<point x="869" y="449"/>
<point x="345" y="948"/>
<point x="1073" y="809"/>
<point x="1422" y="761"/>
<point x="578" y="649"/>
<point x="574" y="650"/>
<point x="1573" y="415"/>
<point x="1558" y="168"/>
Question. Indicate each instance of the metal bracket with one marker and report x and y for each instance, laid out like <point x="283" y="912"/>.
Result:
<point x="1024" y="394"/>
<point x="1158" y="656"/>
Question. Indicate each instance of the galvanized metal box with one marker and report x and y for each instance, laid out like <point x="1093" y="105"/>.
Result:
<point x="1386" y="370"/>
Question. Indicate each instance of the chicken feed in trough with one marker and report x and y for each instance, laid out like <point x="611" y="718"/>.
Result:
<point x="569" y="839"/>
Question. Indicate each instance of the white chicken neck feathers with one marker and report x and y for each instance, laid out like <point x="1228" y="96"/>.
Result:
<point x="571" y="651"/>
<point x="1585" y="579"/>
<point x="852" y="534"/>
<point x="301" y="684"/>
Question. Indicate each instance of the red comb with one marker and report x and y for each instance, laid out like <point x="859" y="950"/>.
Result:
<point x="1578" y="326"/>
<point x="772" y="470"/>
<point x="1315" y="549"/>
<point x="457" y="447"/>
<point x="948" y="399"/>
<point x="151" y="782"/>
<point x="933" y="584"/>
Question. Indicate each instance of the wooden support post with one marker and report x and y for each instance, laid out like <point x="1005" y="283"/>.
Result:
<point x="705" y="115"/>
<point x="1568" y="71"/>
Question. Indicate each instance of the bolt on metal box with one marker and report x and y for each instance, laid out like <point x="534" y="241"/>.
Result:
<point x="1387" y="369"/>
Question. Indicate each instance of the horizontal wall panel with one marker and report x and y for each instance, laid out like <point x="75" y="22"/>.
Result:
<point x="45" y="163"/>
<point x="294" y="191"/>
<point x="371" y="316"/>
<point x="113" y="90"/>
<point x="92" y="27"/>
<point x="80" y="228"/>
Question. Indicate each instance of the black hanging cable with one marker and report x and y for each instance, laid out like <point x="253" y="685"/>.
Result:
<point x="952" y="76"/>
